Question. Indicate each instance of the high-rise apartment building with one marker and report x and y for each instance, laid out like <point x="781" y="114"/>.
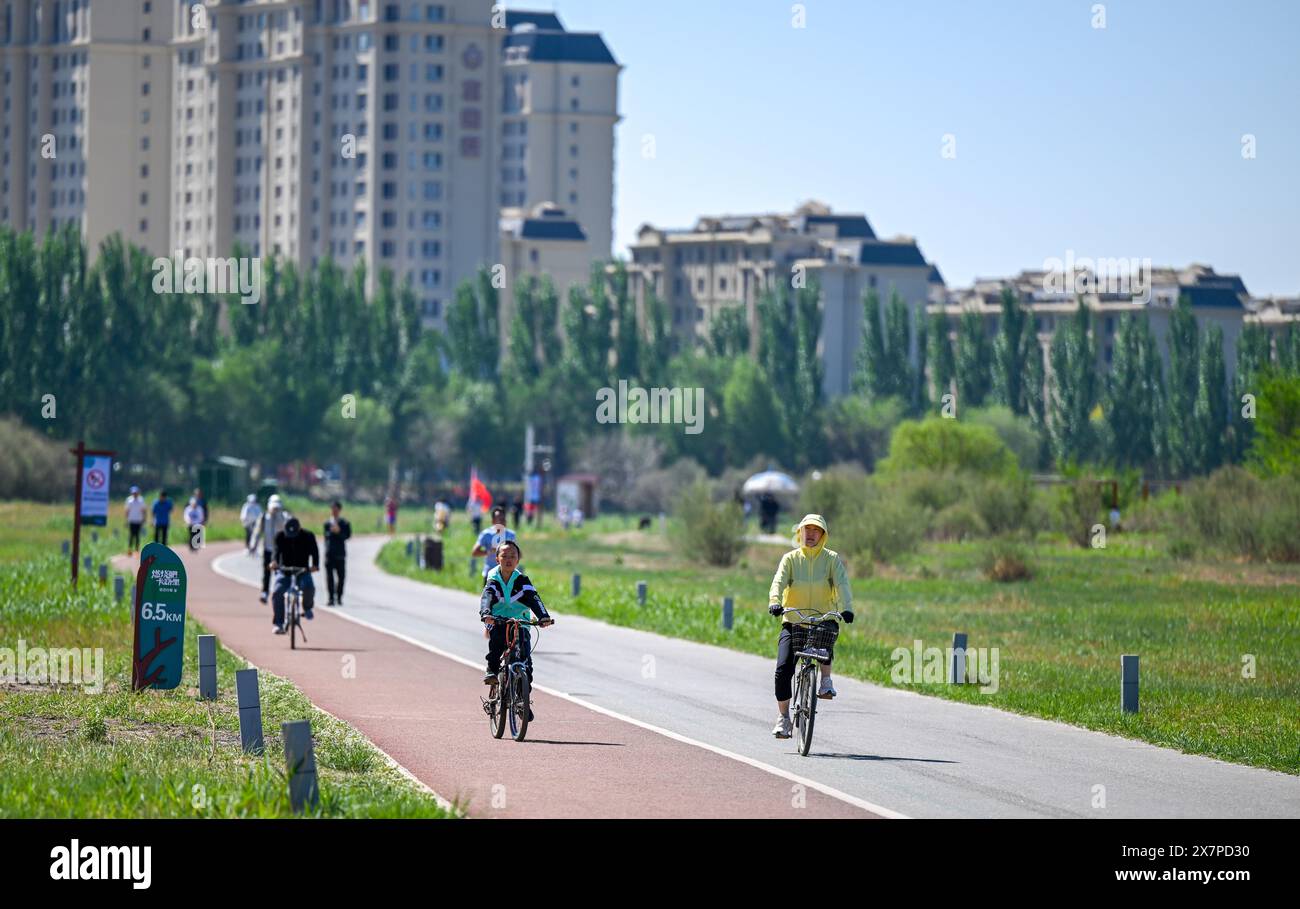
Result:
<point x="387" y="133"/>
<point x="85" y="102"/>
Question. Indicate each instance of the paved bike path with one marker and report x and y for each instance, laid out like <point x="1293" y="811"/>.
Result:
<point x="423" y="710"/>
<point x="895" y="750"/>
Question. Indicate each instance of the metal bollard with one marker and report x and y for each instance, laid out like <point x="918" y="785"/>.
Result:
<point x="94" y="536"/>
<point x="577" y="584"/>
<point x="250" y="710"/>
<point x="728" y="613"/>
<point x="410" y="546"/>
<point x="103" y="574"/>
<point x="208" y="667"/>
<point x="301" y="760"/>
<point x="66" y="547"/>
<point x="1129" y="682"/>
<point x="86" y="562"/>
<point x="119" y="587"/>
<point x="640" y="593"/>
<point x="957" y="667"/>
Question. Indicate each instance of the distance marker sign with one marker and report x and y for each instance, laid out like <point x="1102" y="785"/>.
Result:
<point x="158" y="616"/>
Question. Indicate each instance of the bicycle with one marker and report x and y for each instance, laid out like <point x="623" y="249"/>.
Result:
<point x="511" y="694"/>
<point x="812" y="639"/>
<point x="293" y="606"/>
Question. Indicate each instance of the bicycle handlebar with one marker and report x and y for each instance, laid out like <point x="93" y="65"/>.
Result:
<point x="813" y="615"/>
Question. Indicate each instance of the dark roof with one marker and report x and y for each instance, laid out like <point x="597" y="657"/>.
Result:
<point x="883" y="252"/>
<point x="551" y="229"/>
<point x="562" y="47"/>
<point x="1218" y="293"/>
<point x="935" y="277"/>
<point x="547" y="22"/>
<point x="846" y="226"/>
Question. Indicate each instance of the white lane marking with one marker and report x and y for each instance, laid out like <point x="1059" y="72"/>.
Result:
<point x="752" y="762"/>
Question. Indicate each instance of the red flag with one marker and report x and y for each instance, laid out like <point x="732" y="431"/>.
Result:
<point x="479" y="492"/>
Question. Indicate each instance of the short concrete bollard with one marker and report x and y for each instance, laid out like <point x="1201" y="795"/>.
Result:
<point x="66" y="547"/>
<point x="132" y="594"/>
<point x="94" y="536"/>
<point x="957" y="668"/>
<point x="208" y="667"/>
<point x="103" y="574"/>
<point x="410" y="546"/>
<point x="301" y="760"/>
<point x="119" y="587"/>
<point x="640" y="593"/>
<point x="250" y="710"/>
<point x="577" y="584"/>
<point x="86" y="562"/>
<point x="728" y="613"/>
<point x="473" y="566"/>
<point x="1129" y="682"/>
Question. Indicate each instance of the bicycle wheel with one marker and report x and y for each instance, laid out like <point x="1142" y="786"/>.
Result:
<point x="808" y="695"/>
<point x="501" y="704"/>
<point x="519" y="707"/>
<point x="293" y="622"/>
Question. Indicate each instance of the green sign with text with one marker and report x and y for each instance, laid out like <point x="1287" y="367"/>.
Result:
<point x="159" y="618"/>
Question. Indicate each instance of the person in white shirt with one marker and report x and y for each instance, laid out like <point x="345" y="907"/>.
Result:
<point x="249" y="516"/>
<point x="136" y="510"/>
<point x="194" y="519"/>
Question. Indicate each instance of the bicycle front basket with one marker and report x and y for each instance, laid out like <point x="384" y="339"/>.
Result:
<point x="821" y="637"/>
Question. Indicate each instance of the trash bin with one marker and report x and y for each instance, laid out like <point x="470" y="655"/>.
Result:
<point x="433" y="554"/>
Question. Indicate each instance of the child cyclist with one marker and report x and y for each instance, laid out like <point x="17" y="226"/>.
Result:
<point x="509" y="594"/>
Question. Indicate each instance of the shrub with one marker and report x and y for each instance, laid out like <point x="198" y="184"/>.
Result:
<point x="839" y="490"/>
<point x="959" y="521"/>
<point x="886" y="527"/>
<point x="1080" y="505"/>
<point x="31" y="466"/>
<point x="940" y="444"/>
<point x="1017" y="432"/>
<point x="1235" y="511"/>
<point x="708" y="532"/>
<point x="1005" y="561"/>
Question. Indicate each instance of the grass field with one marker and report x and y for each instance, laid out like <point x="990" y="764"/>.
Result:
<point x="66" y="752"/>
<point x="1059" y="636"/>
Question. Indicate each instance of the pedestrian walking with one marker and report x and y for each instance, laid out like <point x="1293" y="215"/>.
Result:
<point x="135" y="511"/>
<point x="337" y="532"/>
<point x="162" y="517"/>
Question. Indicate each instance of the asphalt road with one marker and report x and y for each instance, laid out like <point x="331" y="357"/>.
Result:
<point x="877" y="751"/>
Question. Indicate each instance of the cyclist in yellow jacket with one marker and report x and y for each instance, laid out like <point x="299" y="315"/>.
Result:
<point x="810" y="577"/>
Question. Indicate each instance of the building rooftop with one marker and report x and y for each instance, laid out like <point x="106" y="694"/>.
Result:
<point x="546" y="221"/>
<point x="557" y="47"/>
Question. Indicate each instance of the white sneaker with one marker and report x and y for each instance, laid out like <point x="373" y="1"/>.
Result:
<point x="279" y="629"/>
<point x="827" y="690"/>
<point x="783" y="727"/>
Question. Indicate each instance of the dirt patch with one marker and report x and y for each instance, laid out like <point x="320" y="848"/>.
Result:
<point x="63" y="729"/>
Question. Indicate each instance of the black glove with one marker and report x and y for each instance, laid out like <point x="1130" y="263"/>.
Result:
<point x="848" y="615"/>
<point x="776" y="609"/>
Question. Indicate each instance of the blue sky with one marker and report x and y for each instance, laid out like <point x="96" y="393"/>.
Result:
<point x="1123" y="141"/>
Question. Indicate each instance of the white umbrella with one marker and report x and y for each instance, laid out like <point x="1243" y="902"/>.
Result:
<point x="770" y="481"/>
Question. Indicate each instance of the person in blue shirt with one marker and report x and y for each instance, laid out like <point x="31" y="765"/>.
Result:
<point x="509" y="594"/>
<point x="162" y="517"/>
<point x="491" y="539"/>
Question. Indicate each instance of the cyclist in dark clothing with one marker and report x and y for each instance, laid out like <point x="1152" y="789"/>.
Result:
<point x="294" y="548"/>
<point x="337" y="533"/>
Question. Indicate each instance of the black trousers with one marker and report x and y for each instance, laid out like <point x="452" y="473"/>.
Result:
<point x="497" y="647"/>
<point x="791" y="641"/>
<point x="266" y="571"/>
<point x="335" y="570"/>
<point x="160" y="533"/>
<point x="133" y="540"/>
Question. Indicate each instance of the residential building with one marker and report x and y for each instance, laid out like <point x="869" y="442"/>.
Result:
<point x="730" y="260"/>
